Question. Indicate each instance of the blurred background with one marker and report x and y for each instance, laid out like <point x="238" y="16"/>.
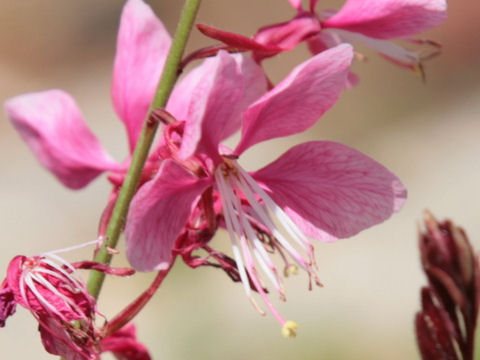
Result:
<point x="427" y="133"/>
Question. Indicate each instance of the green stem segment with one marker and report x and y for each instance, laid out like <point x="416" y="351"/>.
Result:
<point x="145" y="140"/>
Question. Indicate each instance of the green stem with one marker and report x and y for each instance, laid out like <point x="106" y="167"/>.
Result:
<point x="145" y="140"/>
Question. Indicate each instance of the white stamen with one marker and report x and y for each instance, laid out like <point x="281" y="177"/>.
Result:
<point x="269" y="223"/>
<point x="290" y="226"/>
<point x="228" y="212"/>
<point x="43" y="301"/>
<point x="385" y="47"/>
<point x="241" y="221"/>
<point x="69" y="276"/>
<point x="69" y="302"/>
<point x="251" y="236"/>
<point x="73" y="247"/>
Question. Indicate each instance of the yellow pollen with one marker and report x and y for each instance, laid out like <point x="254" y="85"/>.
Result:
<point x="289" y="329"/>
<point x="290" y="270"/>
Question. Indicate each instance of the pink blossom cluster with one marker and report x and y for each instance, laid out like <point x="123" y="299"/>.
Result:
<point x="192" y="185"/>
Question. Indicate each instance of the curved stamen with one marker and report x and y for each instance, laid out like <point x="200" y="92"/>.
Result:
<point x="228" y="212"/>
<point x="265" y="217"/>
<point x="31" y="286"/>
<point x="285" y="220"/>
<point x="258" y="250"/>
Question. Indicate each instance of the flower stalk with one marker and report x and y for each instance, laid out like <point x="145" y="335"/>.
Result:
<point x="167" y="81"/>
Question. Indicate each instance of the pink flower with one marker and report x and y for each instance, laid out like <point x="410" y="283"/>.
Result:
<point x="318" y="189"/>
<point x="52" y="125"/>
<point x="50" y="288"/>
<point x="54" y="292"/>
<point x="369" y="22"/>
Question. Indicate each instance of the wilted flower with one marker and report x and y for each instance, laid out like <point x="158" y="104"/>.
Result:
<point x="54" y="292"/>
<point x="51" y="289"/>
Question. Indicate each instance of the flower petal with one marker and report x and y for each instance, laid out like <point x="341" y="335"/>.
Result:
<point x="52" y="126"/>
<point x="389" y="18"/>
<point x="297" y="4"/>
<point x="211" y="99"/>
<point x="124" y="345"/>
<point x="299" y="100"/>
<point x="58" y="341"/>
<point x="142" y="48"/>
<point x="157" y="215"/>
<point x="326" y="40"/>
<point x="288" y="34"/>
<point x="332" y="191"/>
<point x="8" y="304"/>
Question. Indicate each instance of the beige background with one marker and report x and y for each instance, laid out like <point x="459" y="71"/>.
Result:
<point x="426" y="133"/>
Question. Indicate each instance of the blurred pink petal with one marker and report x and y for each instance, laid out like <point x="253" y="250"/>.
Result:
<point x="289" y="34"/>
<point x="142" y="48"/>
<point x="299" y="100"/>
<point x="329" y="188"/>
<point x="124" y="345"/>
<point x="158" y="213"/>
<point x="58" y="341"/>
<point x="211" y="99"/>
<point x="388" y="19"/>
<point x="297" y="4"/>
<point x="53" y="127"/>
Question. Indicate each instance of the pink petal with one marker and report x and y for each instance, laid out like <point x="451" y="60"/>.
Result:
<point x="388" y="18"/>
<point x="211" y="99"/>
<point x="289" y="34"/>
<point x="124" y="345"/>
<point x="297" y="4"/>
<point x="299" y="100"/>
<point x="8" y="304"/>
<point x="57" y="341"/>
<point x="323" y="41"/>
<point x="157" y="215"/>
<point x="332" y="191"/>
<point x="52" y="126"/>
<point x="142" y="48"/>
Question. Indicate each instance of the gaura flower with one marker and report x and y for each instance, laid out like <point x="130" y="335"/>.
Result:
<point x="318" y="189"/>
<point x="369" y="22"/>
<point x="54" y="292"/>
<point x="52" y="125"/>
<point x="56" y="295"/>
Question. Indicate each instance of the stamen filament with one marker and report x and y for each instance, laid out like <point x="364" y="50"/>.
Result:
<point x="43" y="301"/>
<point x="228" y="219"/>
<point x="290" y="226"/>
<point x="69" y="302"/>
<point x="269" y="223"/>
<point x="248" y="231"/>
